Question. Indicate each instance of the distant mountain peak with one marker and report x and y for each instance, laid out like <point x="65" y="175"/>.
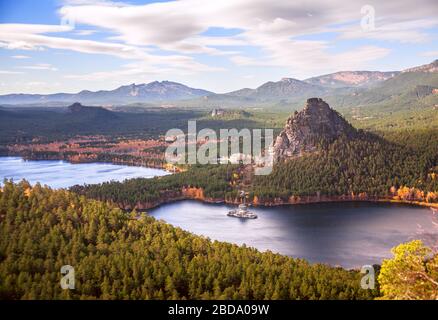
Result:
<point x="306" y="128"/>
<point x="132" y="93"/>
<point x="430" y="67"/>
<point x="351" y="78"/>
<point x="289" y="80"/>
<point x="286" y="88"/>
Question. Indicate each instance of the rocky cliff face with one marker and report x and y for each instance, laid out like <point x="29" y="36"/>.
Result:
<point x="304" y="130"/>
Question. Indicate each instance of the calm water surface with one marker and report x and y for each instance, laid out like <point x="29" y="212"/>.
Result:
<point x="61" y="174"/>
<point x="346" y="234"/>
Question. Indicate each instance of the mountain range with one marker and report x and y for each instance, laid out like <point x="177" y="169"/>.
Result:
<point x="351" y="78"/>
<point x="283" y="89"/>
<point x="150" y="92"/>
<point x="288" y="88"/>
<point x="344" y="87"/>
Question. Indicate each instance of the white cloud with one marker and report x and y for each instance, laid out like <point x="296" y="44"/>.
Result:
<point x="404" y="32"/>
<point x="140" y="33"/>
<point x="141" y="70"/>
<point x="92" y="2"/>
<point x="85" y="32"/>
<point x="21" y="28"/>
<point x="6" y="72"/>
<point x="40" y="66"/>
<point x="272" y="26"/>
<point x="28" y="37"/>
<point x="35" y="83"/>
<point x="430" y="54"/>
<point x="125" y="73"/>
<point x="174" y="21"/>
<point x="306" y="58"/>
<point x="20" y="57"/>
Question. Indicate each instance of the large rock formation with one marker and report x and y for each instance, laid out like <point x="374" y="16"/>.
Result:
<point x="306" y="129"/>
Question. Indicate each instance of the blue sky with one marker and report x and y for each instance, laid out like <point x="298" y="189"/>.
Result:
<point x="51" y="46"/>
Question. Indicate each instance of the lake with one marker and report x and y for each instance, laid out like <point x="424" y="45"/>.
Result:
<point x="347" y="234"/>
<point x="62" y="174"/>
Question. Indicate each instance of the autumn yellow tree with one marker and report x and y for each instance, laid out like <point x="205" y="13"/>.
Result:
<point x="412" y="274"/>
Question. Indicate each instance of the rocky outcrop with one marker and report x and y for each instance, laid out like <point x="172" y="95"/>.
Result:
<point x="80" y="112"/>
<point x="307" y="129"/>
<point x="75" y="107"/>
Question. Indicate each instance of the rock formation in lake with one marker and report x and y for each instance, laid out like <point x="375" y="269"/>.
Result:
<point x="307" y="129"/>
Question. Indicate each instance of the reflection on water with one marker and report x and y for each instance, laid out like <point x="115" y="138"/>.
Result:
<point x="346" y="234"/>
<point x="61" y="174"/>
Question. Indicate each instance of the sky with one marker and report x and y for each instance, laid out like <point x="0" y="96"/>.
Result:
<point x="50" y="46"/>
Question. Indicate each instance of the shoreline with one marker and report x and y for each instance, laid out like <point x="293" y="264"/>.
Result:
<point x="67" y="160"/>
<point x="154" y="205"/>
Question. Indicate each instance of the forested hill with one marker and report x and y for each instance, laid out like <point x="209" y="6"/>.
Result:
<point x="117" y="255"/>
<point x="322" y="154"/>
<point x="368" y="165"/>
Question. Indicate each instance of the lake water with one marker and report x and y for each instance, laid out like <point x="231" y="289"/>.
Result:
<point x="347" y="234"/>
<point x="62" y="174"/>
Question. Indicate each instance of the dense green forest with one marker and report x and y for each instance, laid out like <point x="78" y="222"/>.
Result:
<point x="22" y="125"/>
<point x="367" y="164"/>
<point x="49" y="124"/>
<point x="119" y="255"/>
<point x="215" y="180"/>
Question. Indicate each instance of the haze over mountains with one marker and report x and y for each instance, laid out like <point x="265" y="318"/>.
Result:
<point x="289" y="87"/>
<point x="344" y="87"/>
<point x="283" y="89"/>
<point x="150" y="92"/>
<point x="414" y="87"/>
<point x="351" y="78"/>
<point x="393" y="91"/>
